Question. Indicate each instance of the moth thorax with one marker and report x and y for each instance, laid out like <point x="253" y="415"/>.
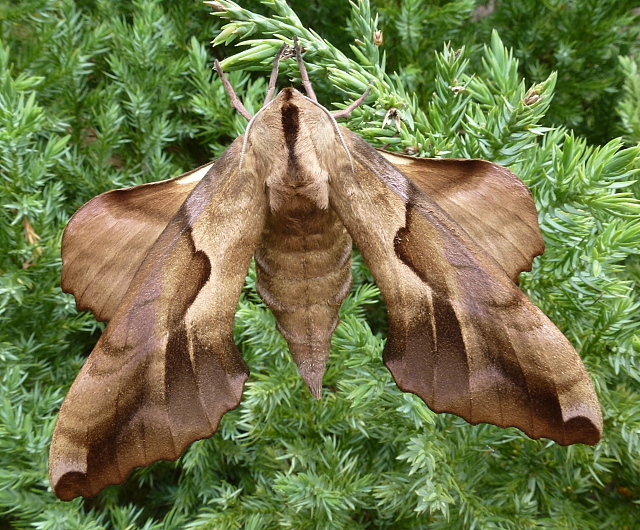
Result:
<point x="298" y="194"/>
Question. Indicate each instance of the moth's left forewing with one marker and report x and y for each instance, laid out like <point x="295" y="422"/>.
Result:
<point x="462" y="336"/>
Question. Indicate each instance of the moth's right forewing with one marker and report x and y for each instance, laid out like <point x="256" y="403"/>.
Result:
<point x="166" y="368"/>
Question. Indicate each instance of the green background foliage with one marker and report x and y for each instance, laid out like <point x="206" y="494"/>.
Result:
<point x="97" y="94"/>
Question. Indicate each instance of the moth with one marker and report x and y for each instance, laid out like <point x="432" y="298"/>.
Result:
<point x="164" y="264"/>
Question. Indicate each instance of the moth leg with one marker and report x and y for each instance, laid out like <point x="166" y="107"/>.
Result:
<point x="303" y="71"/>
<point x="274" y="74"/>
<point x="235" y="102"/>
<point x="346" y="112"/>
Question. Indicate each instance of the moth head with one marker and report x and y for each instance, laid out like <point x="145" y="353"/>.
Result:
<point x="292" y="108"/>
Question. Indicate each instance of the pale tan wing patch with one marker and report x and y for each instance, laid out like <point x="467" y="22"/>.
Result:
<point x="488" y="201"/>
<point x="106" y="240"/>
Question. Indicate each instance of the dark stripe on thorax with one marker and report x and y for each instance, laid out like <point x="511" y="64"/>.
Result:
<point x="290" y="126"/>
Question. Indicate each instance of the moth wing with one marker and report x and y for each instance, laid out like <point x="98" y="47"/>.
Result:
<point x="166" y="368"/>
<point x="472" y="192"/>
<point x="106" y="240"/>
<point x="462" y="336"/>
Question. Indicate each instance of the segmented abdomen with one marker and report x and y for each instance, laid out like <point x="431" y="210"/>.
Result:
<point x="303" y="275"/>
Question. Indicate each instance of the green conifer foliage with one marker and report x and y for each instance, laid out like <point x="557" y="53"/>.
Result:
<point x="581" y="40"/>
<point x="629" y="105"/>
<point x="102" y="94"/>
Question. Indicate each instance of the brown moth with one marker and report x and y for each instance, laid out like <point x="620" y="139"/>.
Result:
<point x="164" y="264"/>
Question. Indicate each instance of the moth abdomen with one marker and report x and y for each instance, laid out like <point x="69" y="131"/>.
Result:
<point x="303" y="276"/>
